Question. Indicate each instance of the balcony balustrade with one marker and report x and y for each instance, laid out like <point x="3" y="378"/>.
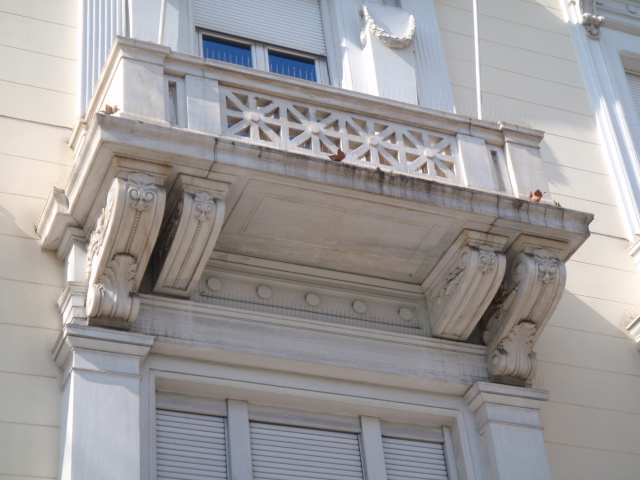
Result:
<point x="151" y="84"/>
<point x="245" y="190"/>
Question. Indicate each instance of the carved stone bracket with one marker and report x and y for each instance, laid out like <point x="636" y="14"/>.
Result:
<point x="120" y="248"/>
<point x="590" y="20"/>
<point x="460" y="288"/>
<point x="527" y="298"/>
<point x="391" y="41"/>
<point x="189" y="234"/>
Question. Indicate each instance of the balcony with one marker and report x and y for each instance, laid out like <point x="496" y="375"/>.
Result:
<point x="249" y="191"/>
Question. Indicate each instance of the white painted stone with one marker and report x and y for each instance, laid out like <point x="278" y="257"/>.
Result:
<point x="312" y="299"/>
<point x="359" y="306"/>
<point x="508" y="420"/>
<point x="100" y="434"/>
<point x="264" y="292"/>
<point x="214" y="284"/>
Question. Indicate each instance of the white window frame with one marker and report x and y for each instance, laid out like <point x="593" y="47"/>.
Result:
<point x="260" y="54"/>
<point x="240" y="414"/>
<point x="179" y="386"/>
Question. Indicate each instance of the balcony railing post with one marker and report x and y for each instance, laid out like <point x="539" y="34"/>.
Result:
<point x="476" y="163"/>
<point x="522" y="149"/>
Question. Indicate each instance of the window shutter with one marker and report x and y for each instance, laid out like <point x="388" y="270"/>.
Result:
<point x="634" y="87"/>
<point x="294" y="24"/>
<point x="282" y="452"/>
<point x="190" y="446"/>
<point x="411" y="459"/>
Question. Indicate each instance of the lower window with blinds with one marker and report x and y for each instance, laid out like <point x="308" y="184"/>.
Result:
<point x="407" y="459"/>
<point x="190" y="446"/>
<point x="293" y="453"/>
<point x="290" y="445"/>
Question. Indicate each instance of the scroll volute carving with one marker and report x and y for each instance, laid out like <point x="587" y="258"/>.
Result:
<point x="120" y="247"/>
<point x="462" y="285"/>
<point x="532" y="287"/>
<point x="189" y="234"/>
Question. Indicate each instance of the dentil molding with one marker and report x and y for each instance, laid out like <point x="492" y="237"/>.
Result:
<point x="120" y="248"/>
<point x="526" y="299"/>
<point x="190" y="231"/>
<point x="460" y="288"/>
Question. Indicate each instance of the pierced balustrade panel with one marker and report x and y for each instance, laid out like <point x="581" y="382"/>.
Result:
<point x="364" y="140"/>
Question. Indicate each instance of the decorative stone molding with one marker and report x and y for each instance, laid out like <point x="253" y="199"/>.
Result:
<point x="189" y="234"/>
<point x="120" y="247"/>
<point x="459" y="289"/>
<point x="391" y="41"/>
<point x="529" y="294"/>
<point x="590" y="20"/>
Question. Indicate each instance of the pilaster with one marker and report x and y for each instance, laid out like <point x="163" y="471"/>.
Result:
<point x="100" y="434"/>
<point x="508" y="421"/>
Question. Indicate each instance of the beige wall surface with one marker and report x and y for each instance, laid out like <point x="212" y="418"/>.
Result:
<point x="530" y="75"/>
<point x="37" y="85"/>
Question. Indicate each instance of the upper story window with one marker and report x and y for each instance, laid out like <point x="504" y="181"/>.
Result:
<point x="264" y="57"/>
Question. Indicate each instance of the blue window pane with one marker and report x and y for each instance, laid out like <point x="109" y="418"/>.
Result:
<point x="227" y="51"/>
<point x="292" y="66"/>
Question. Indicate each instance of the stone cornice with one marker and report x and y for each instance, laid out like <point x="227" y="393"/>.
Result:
<point x="222" y="334"/>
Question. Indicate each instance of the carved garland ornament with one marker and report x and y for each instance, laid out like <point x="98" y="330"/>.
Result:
<point x="526" y="299"/>
<point x="391" y="41"/>
<point x="121" y="245"/>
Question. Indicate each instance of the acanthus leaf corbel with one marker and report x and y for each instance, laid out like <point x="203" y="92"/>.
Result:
<point x="528" y="296"/>
<point x="120" y="247"/>
<point x="189" y="234"/>
<point x="460" y="288"/>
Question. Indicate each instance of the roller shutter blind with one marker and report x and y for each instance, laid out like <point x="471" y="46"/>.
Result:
<point x="190" y="446"/>
<point x="414" y="459"/>
<point x="634" y="87"/>
<point x="282" y="452"/>
<point x="294" y="24"/>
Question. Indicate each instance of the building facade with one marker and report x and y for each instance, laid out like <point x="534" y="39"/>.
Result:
<point x="275" y="240"/>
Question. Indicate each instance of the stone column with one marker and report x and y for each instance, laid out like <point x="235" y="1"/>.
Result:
<point x="100" y="427"/>
<point x="508" y="421"/>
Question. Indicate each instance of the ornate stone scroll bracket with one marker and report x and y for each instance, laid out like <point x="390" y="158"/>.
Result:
<point x="120" y="248"/>
<point x="391" y="41"/>
<point x="189" y="234"/>
<point x="460" y="288"/>
<point x="526" y="299"/>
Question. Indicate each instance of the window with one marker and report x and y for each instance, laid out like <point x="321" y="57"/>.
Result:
<point x="227" y="51"/>
<point x="264" y="57"/>
<point x="288" y="444"/>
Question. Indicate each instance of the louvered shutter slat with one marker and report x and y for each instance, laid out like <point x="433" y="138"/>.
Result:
<point x="634" y="87"/>
<point x="294" y="24"/>
<point x="190" y="446"/>
<point x="414" y="459"/>
<point x="286" y="453"/>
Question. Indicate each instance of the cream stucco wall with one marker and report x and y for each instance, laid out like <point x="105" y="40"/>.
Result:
<point x="37" y="85"/>
<point x="531" y="75"/>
